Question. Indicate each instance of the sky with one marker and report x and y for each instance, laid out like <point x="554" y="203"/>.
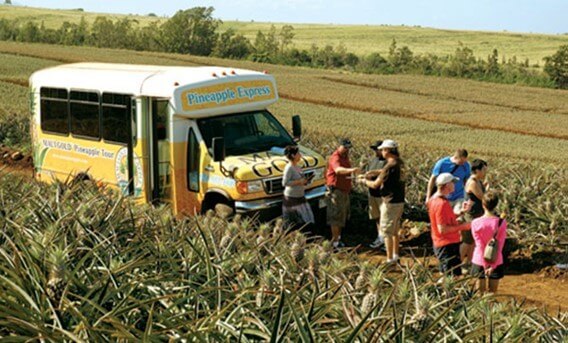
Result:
<point x="542" y="16"/>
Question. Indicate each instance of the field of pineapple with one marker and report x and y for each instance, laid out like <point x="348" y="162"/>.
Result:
<point x="98" y="274"/>
<point x="81" y="265"/>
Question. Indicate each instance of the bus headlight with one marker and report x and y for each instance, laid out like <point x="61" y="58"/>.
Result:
<point x="319" y="173"/>
<point x="247" y="187"/>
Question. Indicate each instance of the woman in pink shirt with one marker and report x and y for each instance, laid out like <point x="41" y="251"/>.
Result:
<point x="483" y="230"/>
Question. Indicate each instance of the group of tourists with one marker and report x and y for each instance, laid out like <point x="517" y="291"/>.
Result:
<point x="467" y="235"/>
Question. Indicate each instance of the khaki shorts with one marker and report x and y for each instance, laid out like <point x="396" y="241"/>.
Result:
<point x="390" y="218"/>
<point x="375" y="207"/>
<point x="338" y="208"/>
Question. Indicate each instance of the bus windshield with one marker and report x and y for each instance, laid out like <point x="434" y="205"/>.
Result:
<point x="245" y="133"/>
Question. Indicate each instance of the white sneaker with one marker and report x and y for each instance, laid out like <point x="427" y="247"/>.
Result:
<point x="338" y="244"/>
<point x="377" y="243"/>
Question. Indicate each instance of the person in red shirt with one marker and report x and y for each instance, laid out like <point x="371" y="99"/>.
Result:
<point x="445" y="227"/>
<point x="338" y="182"/>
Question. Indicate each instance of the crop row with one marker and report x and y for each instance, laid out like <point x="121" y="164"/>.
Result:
<point x="507" y="96"/>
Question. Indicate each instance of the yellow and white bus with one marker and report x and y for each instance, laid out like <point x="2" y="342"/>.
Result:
<point x="193" y="137"/>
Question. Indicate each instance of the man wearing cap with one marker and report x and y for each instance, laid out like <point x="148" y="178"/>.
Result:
<point x="338" y="182"/>
<point x="391" y="183"/>
<point x="445" y="227"/>
<point x="375" y="197"/>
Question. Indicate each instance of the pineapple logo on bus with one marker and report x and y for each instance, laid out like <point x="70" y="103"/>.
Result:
<point x="121" y="172"/>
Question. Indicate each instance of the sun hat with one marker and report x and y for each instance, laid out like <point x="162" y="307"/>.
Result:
<point x="388" y="144"/>
<point x="446" y="178"/>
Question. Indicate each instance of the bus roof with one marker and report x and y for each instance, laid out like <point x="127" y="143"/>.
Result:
<point x="194" y="91"/>
<point x="138" y="80"/>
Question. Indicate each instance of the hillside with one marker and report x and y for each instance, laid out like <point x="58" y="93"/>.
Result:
<point x="360" y="39"/>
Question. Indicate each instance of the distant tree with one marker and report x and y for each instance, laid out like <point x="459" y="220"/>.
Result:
<point x="191" y="31"/>
<point x="294" y="56"/>
<point x="232" y="45"/>
<point x="556" y="66"/>
<point x="350" y="59"/>
<point x="373" y="63"/>
<point x="73" y="34"/>
<point x="8" y="30"/>
<point x="265" y="46"/>
<point x="148" y="38"/>
<point x="286" y="36"/>
<point x="492" y="67"/>
<point x="102" y="33"/>
<point x="8" y="2"/>
<point x="30" y="32"/>
<point x="462" y="63"/>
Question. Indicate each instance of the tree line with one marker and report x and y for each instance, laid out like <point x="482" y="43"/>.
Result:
<point x="195" y="31"/>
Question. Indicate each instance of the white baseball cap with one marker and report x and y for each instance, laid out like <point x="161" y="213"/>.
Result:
<point x="446" y="178"/>
<point x="388" y="144"/>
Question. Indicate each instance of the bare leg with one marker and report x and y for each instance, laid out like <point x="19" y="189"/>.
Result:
<point x="481" y="283"/>
<point x="378" y="221"/>
<point x="471" y="248"/>
<point x="335" y="233"/>
<point x="389" y="244"/>
<point x="463" y="252"/>
<point x="493" y="285"/>
<point x="396" y="243"/>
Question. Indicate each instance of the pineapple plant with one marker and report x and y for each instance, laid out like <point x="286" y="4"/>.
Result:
<point x="362" y="277"/>
<point x="56" y="280"/>
<point x="298" y="247"/>
<point x="226" y="243"/>
<point x="313" y="261"/>
<point x="370" y="299"/>
<point x="326" y="252"/>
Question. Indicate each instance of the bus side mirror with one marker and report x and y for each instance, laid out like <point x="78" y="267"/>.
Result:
<point x="218" y="149"/>
<point x="297" y="127"/>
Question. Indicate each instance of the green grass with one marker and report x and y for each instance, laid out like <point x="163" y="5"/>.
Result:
<point x="360" y="39"/>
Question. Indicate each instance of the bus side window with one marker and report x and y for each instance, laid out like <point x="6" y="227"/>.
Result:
<point x="193" y="155"/>
<point x="54" y="110"/>
<point x="115" y="116"/>
<point x="84" y="107"/>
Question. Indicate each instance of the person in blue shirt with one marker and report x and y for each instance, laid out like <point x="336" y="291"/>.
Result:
<point x="458" y="166"/>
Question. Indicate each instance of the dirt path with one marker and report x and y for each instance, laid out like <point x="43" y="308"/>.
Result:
<point x="540" y="290"/>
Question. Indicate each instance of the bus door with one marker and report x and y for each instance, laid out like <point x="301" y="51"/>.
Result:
<point x="159" y="182"/>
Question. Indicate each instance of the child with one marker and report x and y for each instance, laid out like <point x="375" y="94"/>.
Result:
<point x="483" y="230"/>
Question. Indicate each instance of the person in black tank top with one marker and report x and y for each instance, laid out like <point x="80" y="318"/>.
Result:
<point x="474" y="191"/>
<point x="375" y="194"/>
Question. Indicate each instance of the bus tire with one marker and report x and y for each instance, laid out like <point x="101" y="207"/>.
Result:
<point x="217" y="202"/>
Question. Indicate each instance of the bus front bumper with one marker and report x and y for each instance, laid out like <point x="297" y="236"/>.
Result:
<point x="272" y="207"/>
